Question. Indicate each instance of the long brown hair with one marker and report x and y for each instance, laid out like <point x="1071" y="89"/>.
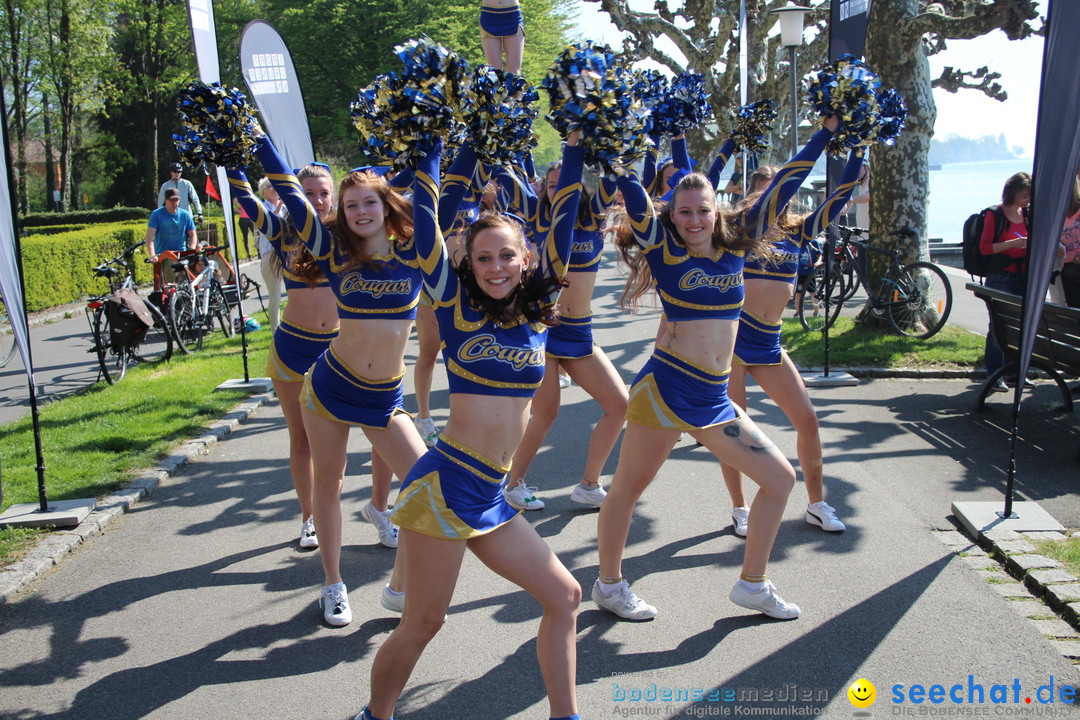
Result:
<point x="399" y="224"/>
<point x="728" y="233"/>
<point x="529" y="299"/>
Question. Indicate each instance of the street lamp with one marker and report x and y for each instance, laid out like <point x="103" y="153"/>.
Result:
<point x="792" y="18"/>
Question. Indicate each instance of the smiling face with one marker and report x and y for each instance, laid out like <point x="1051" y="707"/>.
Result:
<point x="498" y="258"/>
<point x="365" y="213"/>
<point x="319" y="191"/>
<point x="862" y="693"/>
<point x="693" y="213"/>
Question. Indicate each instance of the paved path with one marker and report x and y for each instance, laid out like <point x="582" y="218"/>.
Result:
<point x="197" y="603"/>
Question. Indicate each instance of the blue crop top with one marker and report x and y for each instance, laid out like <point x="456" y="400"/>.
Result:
<point x="588" y="243"/>
<point x="483" y="357"/>
<point x="286" y="244"/>
<point x="782" y="264"/>
<point x="696" y="287"/>
<point x="388" y="291"/>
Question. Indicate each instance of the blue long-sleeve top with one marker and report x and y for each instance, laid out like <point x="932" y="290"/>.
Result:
<point x="588" y="244"/>
<point x="694" y="286"/>
<point x="387" y="288"/>
<point x="285" y="244"/>
<point x="782" y="263"/>
<point x="482" y="356"/>
<point x="681" y="158"/>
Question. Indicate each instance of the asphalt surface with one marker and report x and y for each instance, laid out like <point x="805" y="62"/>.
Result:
<point x="198" y="604"/>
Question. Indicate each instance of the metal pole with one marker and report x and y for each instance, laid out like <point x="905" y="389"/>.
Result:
<point x="794" y="104"/>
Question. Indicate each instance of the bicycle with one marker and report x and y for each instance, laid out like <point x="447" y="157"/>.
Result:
<point x="194" y="304"/>
<point x="120" y="344"/>
<point x="916" y="297"/>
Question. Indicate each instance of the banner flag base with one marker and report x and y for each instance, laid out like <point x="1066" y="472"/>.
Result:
<point x="981" y="517"/>
<point x="260" y="384"/>
<point x="833" y="379"/>
<point x="60" y="513"/>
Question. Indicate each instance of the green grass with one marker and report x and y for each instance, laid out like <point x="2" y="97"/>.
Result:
<point x="1066" y="551"/>
<point x="94" y="441"/>
<point x="854" y="346"/>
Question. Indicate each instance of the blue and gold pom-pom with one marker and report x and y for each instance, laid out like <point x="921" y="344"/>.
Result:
<point x="684" y="106"/>
<point x="752" y="124"/>
<point x="218" y="125"/>
<point x="499" y="110"/>
<point x="847" y="89"/>
<point x="590" y="90"/>
<point x="401" y="116"/>
<point x="893" y="115"/>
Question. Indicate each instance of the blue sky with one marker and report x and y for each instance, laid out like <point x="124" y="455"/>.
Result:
<point x="968" y="114"/>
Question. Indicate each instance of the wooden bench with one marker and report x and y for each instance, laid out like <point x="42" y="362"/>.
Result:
<point x="1057" y="340"/>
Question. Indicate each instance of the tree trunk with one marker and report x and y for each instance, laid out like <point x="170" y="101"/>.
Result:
<point x="50" y="171"/>
<point x="901" y="172"/>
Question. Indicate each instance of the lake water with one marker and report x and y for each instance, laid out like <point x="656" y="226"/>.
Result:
<point x="959" y="189"/>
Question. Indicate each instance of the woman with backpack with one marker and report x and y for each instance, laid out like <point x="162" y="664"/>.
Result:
<point x="1007" y="243"/>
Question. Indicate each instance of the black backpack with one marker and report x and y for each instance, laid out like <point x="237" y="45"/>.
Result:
<point x="975" y="263"/>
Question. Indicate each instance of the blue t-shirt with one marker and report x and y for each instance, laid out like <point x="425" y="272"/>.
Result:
<point x="171" y="229"/>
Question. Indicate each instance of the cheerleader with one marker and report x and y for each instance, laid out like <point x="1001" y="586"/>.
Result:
<point x="768" y="282"/>
<point x="570" y="345"/>
<point x="694" y="254"/>
<point x="366" y="252"/>
<point x="493" y="312"/>
<point x="502" y="33"/>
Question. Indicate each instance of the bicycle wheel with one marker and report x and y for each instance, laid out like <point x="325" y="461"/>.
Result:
<point x="921" y="299"/>
<point x="187" y="331"/>
<point x="112" y="361"/>
<point x="847" y="269"/>
<point x="220" y="311"/>
<point x="156" y="344"/>
<point x="811" y="305"/>
<point x="7" y="338"/>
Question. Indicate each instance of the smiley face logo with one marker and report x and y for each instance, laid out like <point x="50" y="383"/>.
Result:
<point x="862" y="693"/>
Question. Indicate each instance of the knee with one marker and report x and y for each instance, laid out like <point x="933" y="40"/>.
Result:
<point x="806" y="423"/>
<point x="564" y="603"/>
<point x="422" y="626"/>
<point x="616" y="406"/>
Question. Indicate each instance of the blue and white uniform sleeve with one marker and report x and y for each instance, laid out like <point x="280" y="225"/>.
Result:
<point x="458" y="182"/>
<point x="439" y="278"/>
<point x="521" y="200"/>
<point x="648" y="172"/>
<point x="265" y="223"/>
<point x="827" y="212"/>
<point x="564" y="209"/>
<point x="639" y="211"/>
<point x="307" y="222"/>
<point x="784" y="185"/>
<point x="721" y="162"/>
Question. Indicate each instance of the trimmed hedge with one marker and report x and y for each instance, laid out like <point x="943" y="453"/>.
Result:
<point x="83" y="217"/>
<point x="52" y="229"/>
<point x="59" y="268"/>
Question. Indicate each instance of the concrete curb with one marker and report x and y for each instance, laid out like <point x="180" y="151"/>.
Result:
<point x="1036" y="586"/>
<point x="57" y="546"/>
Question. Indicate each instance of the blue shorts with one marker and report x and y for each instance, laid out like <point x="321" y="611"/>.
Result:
<point x="572" y="338"/>
<point x="333" y="391"/>
<point x="672" y="393"/>
<point x="452" y="493"/>
<point x="293" y="350"/>
<point x="758" y="342"/>
<point x="500" y="22"/>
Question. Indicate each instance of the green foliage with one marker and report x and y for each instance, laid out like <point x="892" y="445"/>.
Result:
<point x="84" y="217"/>
<point x="1067" y="551"/>
<point x="854" y="346"/>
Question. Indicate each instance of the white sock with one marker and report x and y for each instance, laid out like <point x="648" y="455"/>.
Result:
<point x="752" y="586"/>
<point x="395" y="593"/>
<point x="608" y="588"/>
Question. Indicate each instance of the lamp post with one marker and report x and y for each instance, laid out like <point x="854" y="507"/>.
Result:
<point x="792" y="18"/>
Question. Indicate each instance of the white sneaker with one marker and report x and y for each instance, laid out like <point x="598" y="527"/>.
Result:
<point x="308" y="538"/>
<point x="427" y="430"/>
<point x="764" y="600"/>
<point x="334" y="600"/>
<point x="381" y="520"/>
<point x="522" y="497"/>
<point x="585" y="495"/>
<point x="565" y="381"/>
<point x="822" y="515"/>
<point x="623" y="602"/>
<point x="740" y="516"/>
<point x="392" y="601"/>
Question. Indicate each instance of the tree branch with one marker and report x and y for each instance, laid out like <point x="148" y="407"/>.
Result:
<point x="953" y="80"/>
